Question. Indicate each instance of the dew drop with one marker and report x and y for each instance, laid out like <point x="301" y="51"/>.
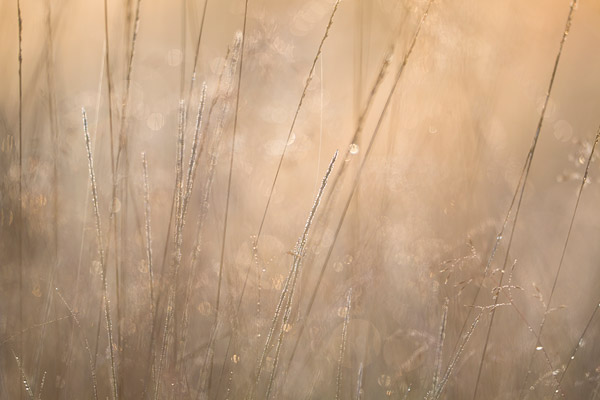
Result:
<point x="292" y="139"/>
<point x="342" y="312"/>
<point x="235" y="358"/>
<point x="155" y="121"/>
<point x="116" y="206"/>
<point x="384" y="380"/>
<point x="572" y="357"/>
<point x="539" y="348"/>
<point x="174" y="57"/>
<point x="353" y="148"/>
<point x="338" y="266"/>
<point x="97" y="267"/>
<point x="204" y="308"/>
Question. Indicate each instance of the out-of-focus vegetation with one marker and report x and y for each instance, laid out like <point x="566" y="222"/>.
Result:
<point x="251" y="199"/>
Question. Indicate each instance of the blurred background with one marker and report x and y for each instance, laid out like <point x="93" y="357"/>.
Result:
<point x="395" y="289"/>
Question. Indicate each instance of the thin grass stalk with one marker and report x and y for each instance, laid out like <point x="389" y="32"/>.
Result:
<point x="85" y="343"/>
<point x="579" y="341"/>
<point x="183" y="49"/>
<point x="109" y="87"/>
<point x="190" y="175"/>
<point x="100" y="243"/>
<point x="125" y="103"/>
<point x="236" y="57"/>
<point x="122" y="145"/>
<point x="177" y="243"/>
<point x="179" y="170"/>
<point x="211" y="168"/>
<point x="201" y="147"/>
<point x="440" y="346"/>
<point x="507" y="291"/>
<point x="527" y="167"/>
<point x="386" y="106"/>
<point x="148" y="230"/>
<point x="359" y="382"/>
<point x="192" y="165"/>
<point x="230" y="174"/>
<point x="344" y="339"/>
<point x="203" y="380"/>
<point x="564" y="250"/>
<point x="116" y="168"/>
<point x="184" y="193"/>
<point x="282" y="329"/>
<point x="41" y="389"/>
<point x="197" y="248"/>
<point x="197" y="53"/>
<point x="291" y="130"/>
<point x="83" y="232"/>
<point x="383" y="70"/>
<point x="278" y="309"/>
<point x="26" y="384"/>
<point x="456" y="357"/>
<point x="225" y="74"/>
<point x="15" y="335"/>
<point x="20" y="207"/>
<point x="54" y="133"/>
<point x="298" y="255"/>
